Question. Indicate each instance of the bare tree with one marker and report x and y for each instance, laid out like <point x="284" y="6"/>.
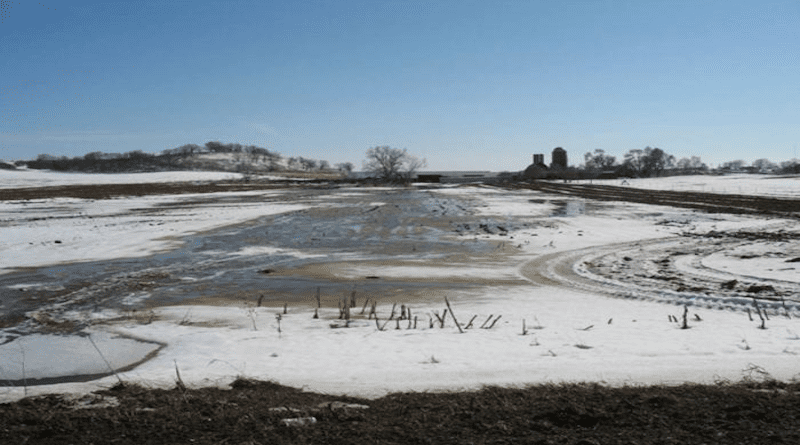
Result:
<point x="647" y="162"/>
<point x="692" y="163"/>
<point x="634" y="161"/>
<point x="392" y="164"/>
<point x="599" y="160"/>
<point x="790" y="166"/>
<point x="308" y="164"/>
<point x="656" y="160"/>
<point x="345" y="167"/>
<point x="764" y="165"/>
<point x="294" y="163"/>
<point x="734" y="165"/>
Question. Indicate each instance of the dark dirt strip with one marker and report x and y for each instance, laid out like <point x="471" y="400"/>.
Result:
<point x="106" y="191"/>
<point x="763" y="412"/>
<point x="709" y="202"/>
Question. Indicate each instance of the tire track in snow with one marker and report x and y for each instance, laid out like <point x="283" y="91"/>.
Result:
<point x="572" y="269"/>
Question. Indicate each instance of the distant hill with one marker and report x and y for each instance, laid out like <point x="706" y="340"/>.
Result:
<point x="213" y="156"/>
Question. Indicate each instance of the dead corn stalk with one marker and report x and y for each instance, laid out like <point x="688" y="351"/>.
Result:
<point x="758" y="311"/>
<point x="493" y="323"/>
<point x="364" y="308"/>
<point x="469" y="325"/>
<point x="452" y="314"/>
<point x="685" y="317"/>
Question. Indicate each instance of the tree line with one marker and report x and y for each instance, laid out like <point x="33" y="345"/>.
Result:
<point x="653" y="161"/>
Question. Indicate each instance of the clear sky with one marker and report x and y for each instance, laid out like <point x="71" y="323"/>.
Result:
<point x="469" y="85"/>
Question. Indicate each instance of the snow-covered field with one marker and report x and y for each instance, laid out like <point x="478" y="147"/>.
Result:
<point x="46" y="178"/>
<point x="53" y="231"/>
<point x="589" y="313"/>
<point x="739" y="184"/>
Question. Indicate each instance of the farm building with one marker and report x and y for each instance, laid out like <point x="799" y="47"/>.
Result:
<point x="537" y="170"/>
<point x="559" y="159"/>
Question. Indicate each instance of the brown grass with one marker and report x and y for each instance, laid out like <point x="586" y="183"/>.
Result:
<point x="750" y="412"/>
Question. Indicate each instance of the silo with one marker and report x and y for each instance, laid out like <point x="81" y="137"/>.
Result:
<point x="559" y="158"/>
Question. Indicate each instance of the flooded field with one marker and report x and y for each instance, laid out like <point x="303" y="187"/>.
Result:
<point x="541" y="285"/>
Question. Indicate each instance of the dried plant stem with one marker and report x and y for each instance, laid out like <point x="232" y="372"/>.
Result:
<point x="453" y="315"/>
<point x="24" y="377"/>
<point x="364" y="308"/>
<point x="469" y="325"/>
<point x="758" y="311"/>
<point x="493" y="323"/>
<point x="179" y="381"/>
<point x="104" y="359"/>
<point x="685" y="317"/>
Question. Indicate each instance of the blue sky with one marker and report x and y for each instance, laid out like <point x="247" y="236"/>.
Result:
<point x="468" y="85"/>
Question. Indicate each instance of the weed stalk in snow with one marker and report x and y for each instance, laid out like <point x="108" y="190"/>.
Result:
<point x="685" y="317"/>
<point x="366" y="301"/>
<point x="453" y="315"/>
<point x="104" y="359"/>
<point x="24" y="378"/>
<point x="469" y="325"/>
<point x="178" y="380"/>
<point x="493" y="323"/>
<point x="373" y="312"/>
<point x="758" y="311"/>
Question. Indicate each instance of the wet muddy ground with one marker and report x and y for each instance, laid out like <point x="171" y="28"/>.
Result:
<point x="395" y="245"/>
<point x="276" y="259"/>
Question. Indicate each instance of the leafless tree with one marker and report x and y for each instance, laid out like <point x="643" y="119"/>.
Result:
<point x="345" y="167"/>
<point x="599" y="160"/>
<point x="692" y="163"/>
<point x="392" y="164"/>
<point x="764" y="165"/>
<point x="734" y="165"/>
